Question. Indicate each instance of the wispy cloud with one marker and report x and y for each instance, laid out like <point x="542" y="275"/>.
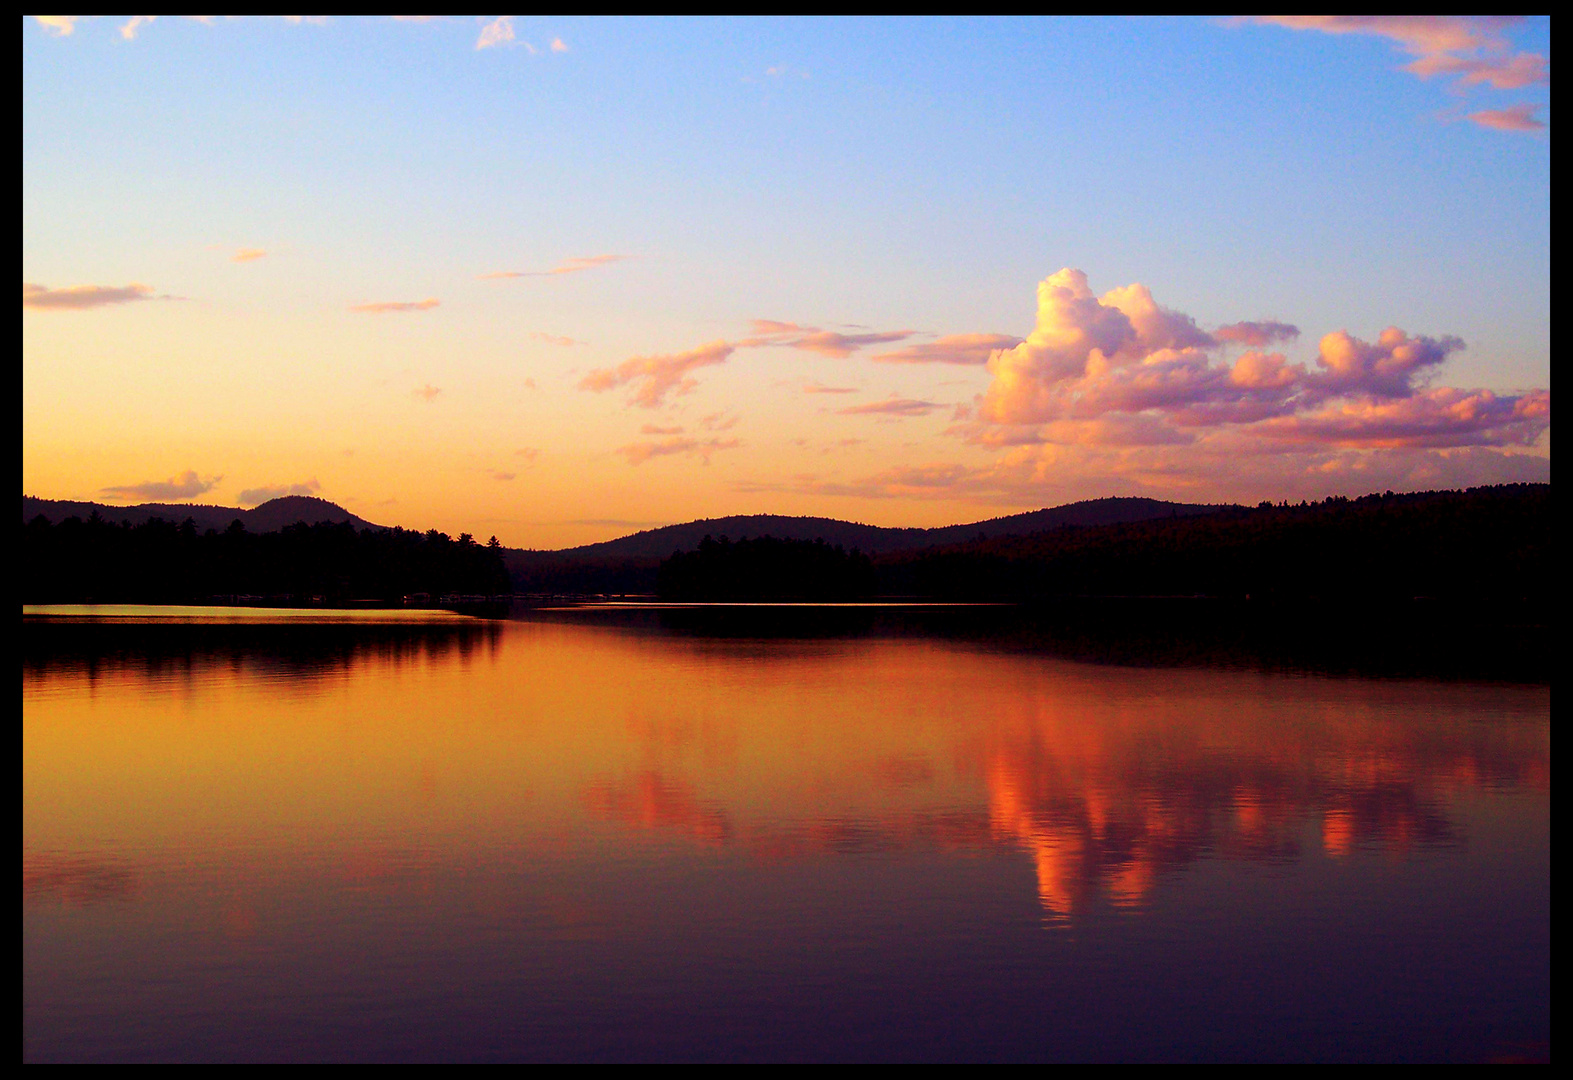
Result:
<point x="953" y="349"/>
<point x="388" y="307"/>
<point x="131" y="28"/>
<point x="248" y="255"/>
<point x="188" y="485"/>
<point x="82" y="297"/>
<point x="567" y="266"/>
<point x="558" y="45"/>
<point x="813" y="339"/>
<point x="820" y="388"/>
<point x="256" y="495"/>
<point x="555" y="339"/>
<point x="427" y="393"/>
<point x="640" y="452"/>
<point x="895" y="406"/>
<point x="659" y="375"/>
<point x="657" y="429"/>
<point x="1474" y="50"/>
<point x="497" y="32"/>
<point x="1516" y="118"/>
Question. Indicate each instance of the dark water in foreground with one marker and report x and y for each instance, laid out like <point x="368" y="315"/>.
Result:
<point x="646" y="837"/>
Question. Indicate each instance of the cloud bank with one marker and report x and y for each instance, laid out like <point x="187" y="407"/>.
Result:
<point x="1120" y="370"/>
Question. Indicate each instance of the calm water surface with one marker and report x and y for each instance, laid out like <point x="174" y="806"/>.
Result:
<point x="628" y="838"/>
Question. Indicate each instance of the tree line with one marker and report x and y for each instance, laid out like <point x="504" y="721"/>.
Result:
<point x="161" y="561"/>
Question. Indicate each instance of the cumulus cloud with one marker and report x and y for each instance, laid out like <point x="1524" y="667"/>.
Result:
<point x="387" y="307"/>
<point x="894" y="406"/>
<point x="256" y="495"/>
<point x="640" y="452"/>
<point x="1120" y="370"/>
<point x="567" y="266"/>
<point x="82" y="297"/>
<point x="558" y="45"/>
<point x="1256" y="335"/>
<point x="427" y="393"/>
<point x="1516" y="118"/>
<point x="659" y="375"/>
<point x="497" y="32"/>
<point x="248" y="255"/>
<point x="953" y="349"/>
<point x="188" y="485"/>
<point x="1386" y="367"/>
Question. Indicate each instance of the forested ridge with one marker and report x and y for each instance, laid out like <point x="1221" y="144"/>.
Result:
<point x="1482" y="543"/>
<point x="162" y="561"/>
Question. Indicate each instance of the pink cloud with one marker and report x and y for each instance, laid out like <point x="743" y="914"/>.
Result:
<point x="813" y="339"/>
<point x="427" y="393"/>
<point x="248" y="255"/>
<point x="954" y="349"/>
<point x="555" y="339"/>
<point x="390" y="307"/>
<point x="659" y="375"/>
<point x="639" y="453"/>
<point x="83" y="297"/>
<point x="895" y="406"/>
<point x="1473" y="49"/>
<point x="1257" y="335"/>
<point x="1516" y="118"/>
<point x="1083" y="364"/>
<point x="1386" y="367"/>
<point x="818" y="388"/>
<point x="567" y="266"/>
<point x="1443" y="417"/>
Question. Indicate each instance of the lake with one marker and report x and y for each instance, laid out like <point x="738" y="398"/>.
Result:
<point x="633" y="833"/>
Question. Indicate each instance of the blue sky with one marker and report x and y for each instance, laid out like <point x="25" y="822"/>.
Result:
<point x="913" y="174"/>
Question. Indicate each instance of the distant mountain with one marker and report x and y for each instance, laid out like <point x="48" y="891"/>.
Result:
<point x="876" y="539"/>
<point x="628" y="563"/>
<point x="271" y="516"/>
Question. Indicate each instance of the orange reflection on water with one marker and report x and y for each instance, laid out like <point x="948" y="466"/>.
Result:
<point x="369" y="758"/>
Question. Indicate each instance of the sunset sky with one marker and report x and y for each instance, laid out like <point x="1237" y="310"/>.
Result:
<point x="557" y="279"/>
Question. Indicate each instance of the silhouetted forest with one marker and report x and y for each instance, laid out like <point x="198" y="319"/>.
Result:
<point x="160" y="561"/>
<point x="766" y="569"/>
<point x="1484" y="543"/>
